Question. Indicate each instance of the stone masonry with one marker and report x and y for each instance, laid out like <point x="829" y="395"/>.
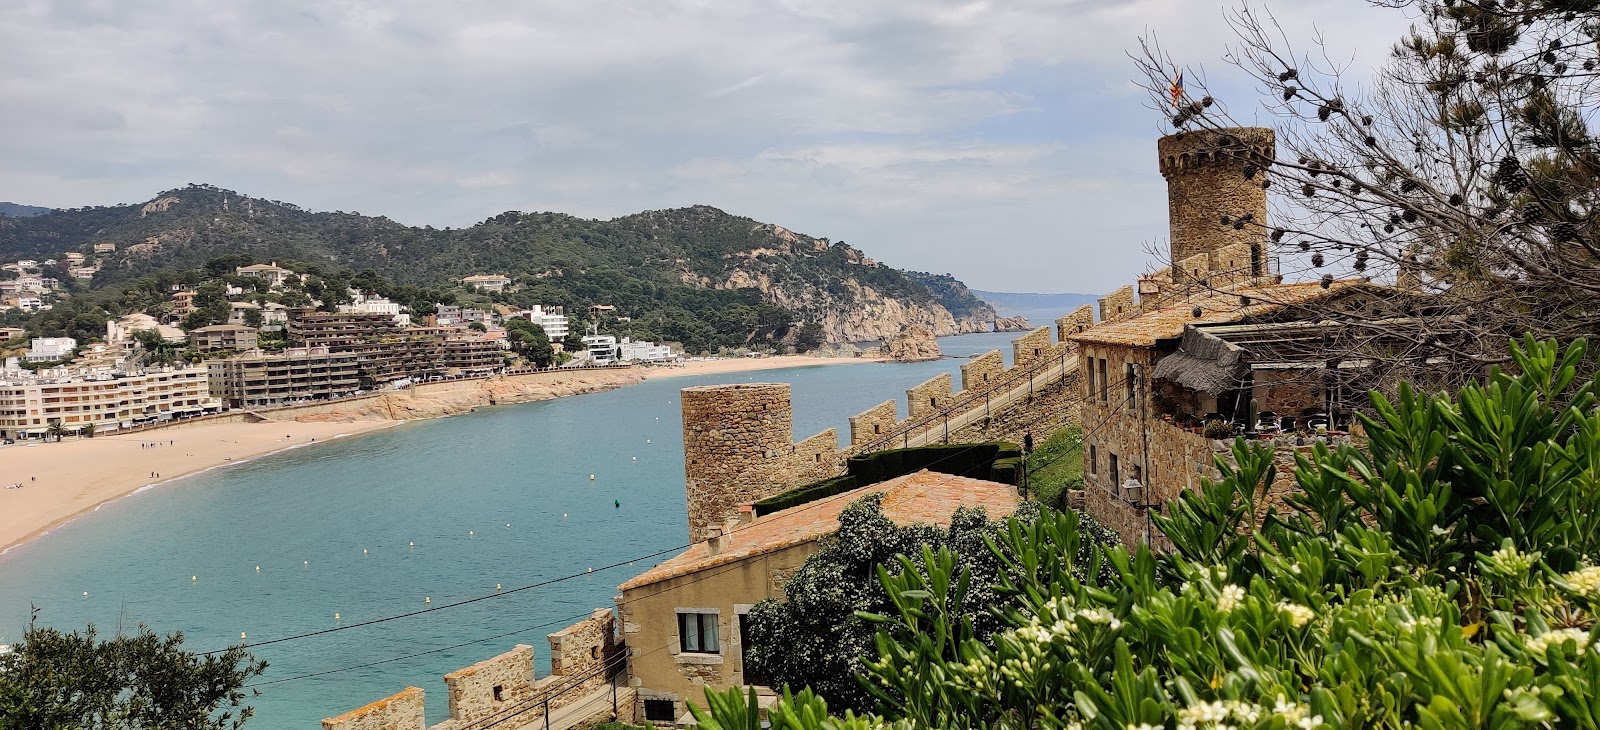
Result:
<point x="1206" y="180"/>
<point x="492" y="686"/>
<point x="925" y="398"/>
<point x="401" y="711"/>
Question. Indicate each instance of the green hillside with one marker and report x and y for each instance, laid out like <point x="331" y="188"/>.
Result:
<point x="695" y="275"/>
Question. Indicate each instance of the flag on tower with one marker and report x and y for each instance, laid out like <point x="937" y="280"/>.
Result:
<point x="1176" y="88"/>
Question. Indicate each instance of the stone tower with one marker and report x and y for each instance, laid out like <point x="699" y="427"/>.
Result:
<point x="734" y="436"/>
<point x="1206" y="180"/>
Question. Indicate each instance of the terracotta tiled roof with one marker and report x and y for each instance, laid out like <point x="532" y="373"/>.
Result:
<point x="926" y="497"/>
<point x="1146" y="329"/>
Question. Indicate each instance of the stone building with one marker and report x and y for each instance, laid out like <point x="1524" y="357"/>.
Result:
<point x="738" y="447"/>
<point x="1216" y="194"/>
<point x="684" y="619"/>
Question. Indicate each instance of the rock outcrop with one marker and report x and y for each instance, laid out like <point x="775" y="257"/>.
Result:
<point x="1018" y="323"/>
<point x="913" y="344"/>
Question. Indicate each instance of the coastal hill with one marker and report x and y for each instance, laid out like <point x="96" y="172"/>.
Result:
<point x="680" y="274"/>
<point x="18" y="210"/>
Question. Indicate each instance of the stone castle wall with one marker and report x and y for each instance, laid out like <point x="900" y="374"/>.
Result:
<point x="502" y="690"/>
<point x="982" y="371"/>
<point x="733" y="436"/>
<point x="1206" y="172"/>
<point x="1118" y="305"/>
<point x="927" y="397"/>
<point x="875" y="422"/>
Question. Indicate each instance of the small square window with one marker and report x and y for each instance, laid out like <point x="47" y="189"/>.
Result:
<point x="499" y="693"/>
<point x="697" y="633"/>
<point x="660" y="710"/>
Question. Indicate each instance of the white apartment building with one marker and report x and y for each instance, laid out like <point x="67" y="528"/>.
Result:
<point x="28" y="405"/>
<point x="372" y="304"/>
<point x="602" y="348"/>
<point x="552" y="319"/>
<point x="644" y="351"/>
<point x="46" y="349"/>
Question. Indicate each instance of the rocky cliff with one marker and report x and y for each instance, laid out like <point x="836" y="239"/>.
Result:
<point x="1018" y="323"/>
<point x="913" y="344"/>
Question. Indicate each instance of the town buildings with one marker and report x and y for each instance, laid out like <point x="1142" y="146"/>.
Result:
<point x="30" y="403"/>
<point x="602" y="349"/>
<point x="487" y="282"/>
<point x="50" y="349"/>
<point x="256" y="378"/>
<point x="271" y="273"/>
<point x="237" y="338"/>
<point x="630" y="351"/>
<point x="685" y="619"/>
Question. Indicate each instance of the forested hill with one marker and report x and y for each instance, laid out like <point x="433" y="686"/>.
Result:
<point x="17" y="210"/>
<point x="685" y="269"/>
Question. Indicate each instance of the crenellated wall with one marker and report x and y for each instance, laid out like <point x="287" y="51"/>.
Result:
<point x="1077" y="321"/>
<point x="502" y="691"/>
<point x="925" y="398"/>
<point x="1032" y="348"/>
<point x="983" y="371"/>
<point x="877" y="421"/>
<point x="1118" y="305"/>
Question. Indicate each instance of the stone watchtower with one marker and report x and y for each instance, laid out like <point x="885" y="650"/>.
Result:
<point x="733" y="437"/>
<point x="1214" y="173"/>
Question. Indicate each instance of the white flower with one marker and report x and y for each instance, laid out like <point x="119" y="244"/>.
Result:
<point x="1585" y="580"/>
<point x="1511" y="562"/>
<point x="1538" y="645"/>
<point x="1298" y="615"/>
<point x="1230" y="598"/>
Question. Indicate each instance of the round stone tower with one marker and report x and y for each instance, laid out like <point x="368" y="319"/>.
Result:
<point x="733" y="435"/>
<point x="1215" y="173"/>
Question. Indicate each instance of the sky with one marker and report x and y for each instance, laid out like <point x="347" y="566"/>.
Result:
<point x="1002" y="142"/>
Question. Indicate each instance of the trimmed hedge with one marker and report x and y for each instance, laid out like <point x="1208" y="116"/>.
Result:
<point x="996" y="461"/>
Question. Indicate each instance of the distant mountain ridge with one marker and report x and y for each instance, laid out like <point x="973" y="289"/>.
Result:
<point x="695" y="274"/>
<point x="18" y="210"/>
<point x="1023" y="301"/>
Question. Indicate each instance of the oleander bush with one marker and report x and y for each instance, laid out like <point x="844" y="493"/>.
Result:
<point x="1443" y="575"/>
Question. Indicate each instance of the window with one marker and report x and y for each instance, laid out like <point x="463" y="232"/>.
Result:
<point x="1130" y="383"/>
<point x="660" y="710"/>
<point x="1094" y="459"/>
<point x="877" y="428"/>
<point x="697" y="633"/>
<point x="1116" y="473"/>
<point x="499" y="693"/>
<point x="1105" y="394"/>
<point x="1089" y="378"/>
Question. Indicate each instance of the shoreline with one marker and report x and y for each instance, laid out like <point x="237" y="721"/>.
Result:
<point x="100" y="470"/>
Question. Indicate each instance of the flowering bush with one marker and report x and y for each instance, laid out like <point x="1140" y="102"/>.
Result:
<point x="1442" y="576"/>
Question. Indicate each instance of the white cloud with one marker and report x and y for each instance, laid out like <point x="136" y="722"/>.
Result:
<point x="916" y="129"/>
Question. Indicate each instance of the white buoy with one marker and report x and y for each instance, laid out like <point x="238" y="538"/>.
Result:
<point x="470" y="533"/>
<point x="308" y="563"/>
<point x="635" y="458"/>
<point x="563" y="515"/>
<point x="194" y="578"/>
<point x="363" y="551"/>
<point x="647" y="442"/>
<point x="426" y="599"/>
<point x="258" y="569"/>
<point x="241" y="636"/>
<point x="591" y="477"/>
<point x="413" y="544"/>
<point x="85" y="594"/>
<point x="508" y="524"/>
<point x="591" y="570"/>
<point x="335" y="616"/>
<point x="497" y="588"/>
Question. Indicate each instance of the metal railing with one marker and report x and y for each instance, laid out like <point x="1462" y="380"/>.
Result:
<point x="966" y="402"/>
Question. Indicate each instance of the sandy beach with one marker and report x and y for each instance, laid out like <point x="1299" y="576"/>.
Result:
<point x="747" y="364"/>
<point x="62" y="480"/>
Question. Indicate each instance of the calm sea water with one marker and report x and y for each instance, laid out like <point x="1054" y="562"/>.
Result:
<point x="501" y="496"/>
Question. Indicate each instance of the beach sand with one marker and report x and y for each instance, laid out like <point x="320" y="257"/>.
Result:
<point x="62" y="480"/>
<point x="746" y="364"/>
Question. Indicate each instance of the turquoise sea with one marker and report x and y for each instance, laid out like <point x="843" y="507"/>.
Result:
<point x="500" y="496"/>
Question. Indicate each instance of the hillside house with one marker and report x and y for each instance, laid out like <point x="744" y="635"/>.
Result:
<point x="487" y="282"/>
<point x="693" y="605"/>
<point x="273" y="274"/>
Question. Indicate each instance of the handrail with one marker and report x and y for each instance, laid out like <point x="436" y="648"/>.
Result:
<point x="961" y="403"/>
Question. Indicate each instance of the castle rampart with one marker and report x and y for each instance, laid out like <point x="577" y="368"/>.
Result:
<point x="925" y="398"/>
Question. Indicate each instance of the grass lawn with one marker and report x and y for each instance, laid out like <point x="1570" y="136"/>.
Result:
<point x="1055" y="466"/>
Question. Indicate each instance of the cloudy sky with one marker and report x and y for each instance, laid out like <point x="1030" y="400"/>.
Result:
<point x="999" y="141"/>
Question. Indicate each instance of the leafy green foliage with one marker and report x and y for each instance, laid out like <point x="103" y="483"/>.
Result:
<point x="139" y="680"/>
<point x="530" y="341"/>
<point x="1442" y="577"/>
<point x="1055" y="466"/>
